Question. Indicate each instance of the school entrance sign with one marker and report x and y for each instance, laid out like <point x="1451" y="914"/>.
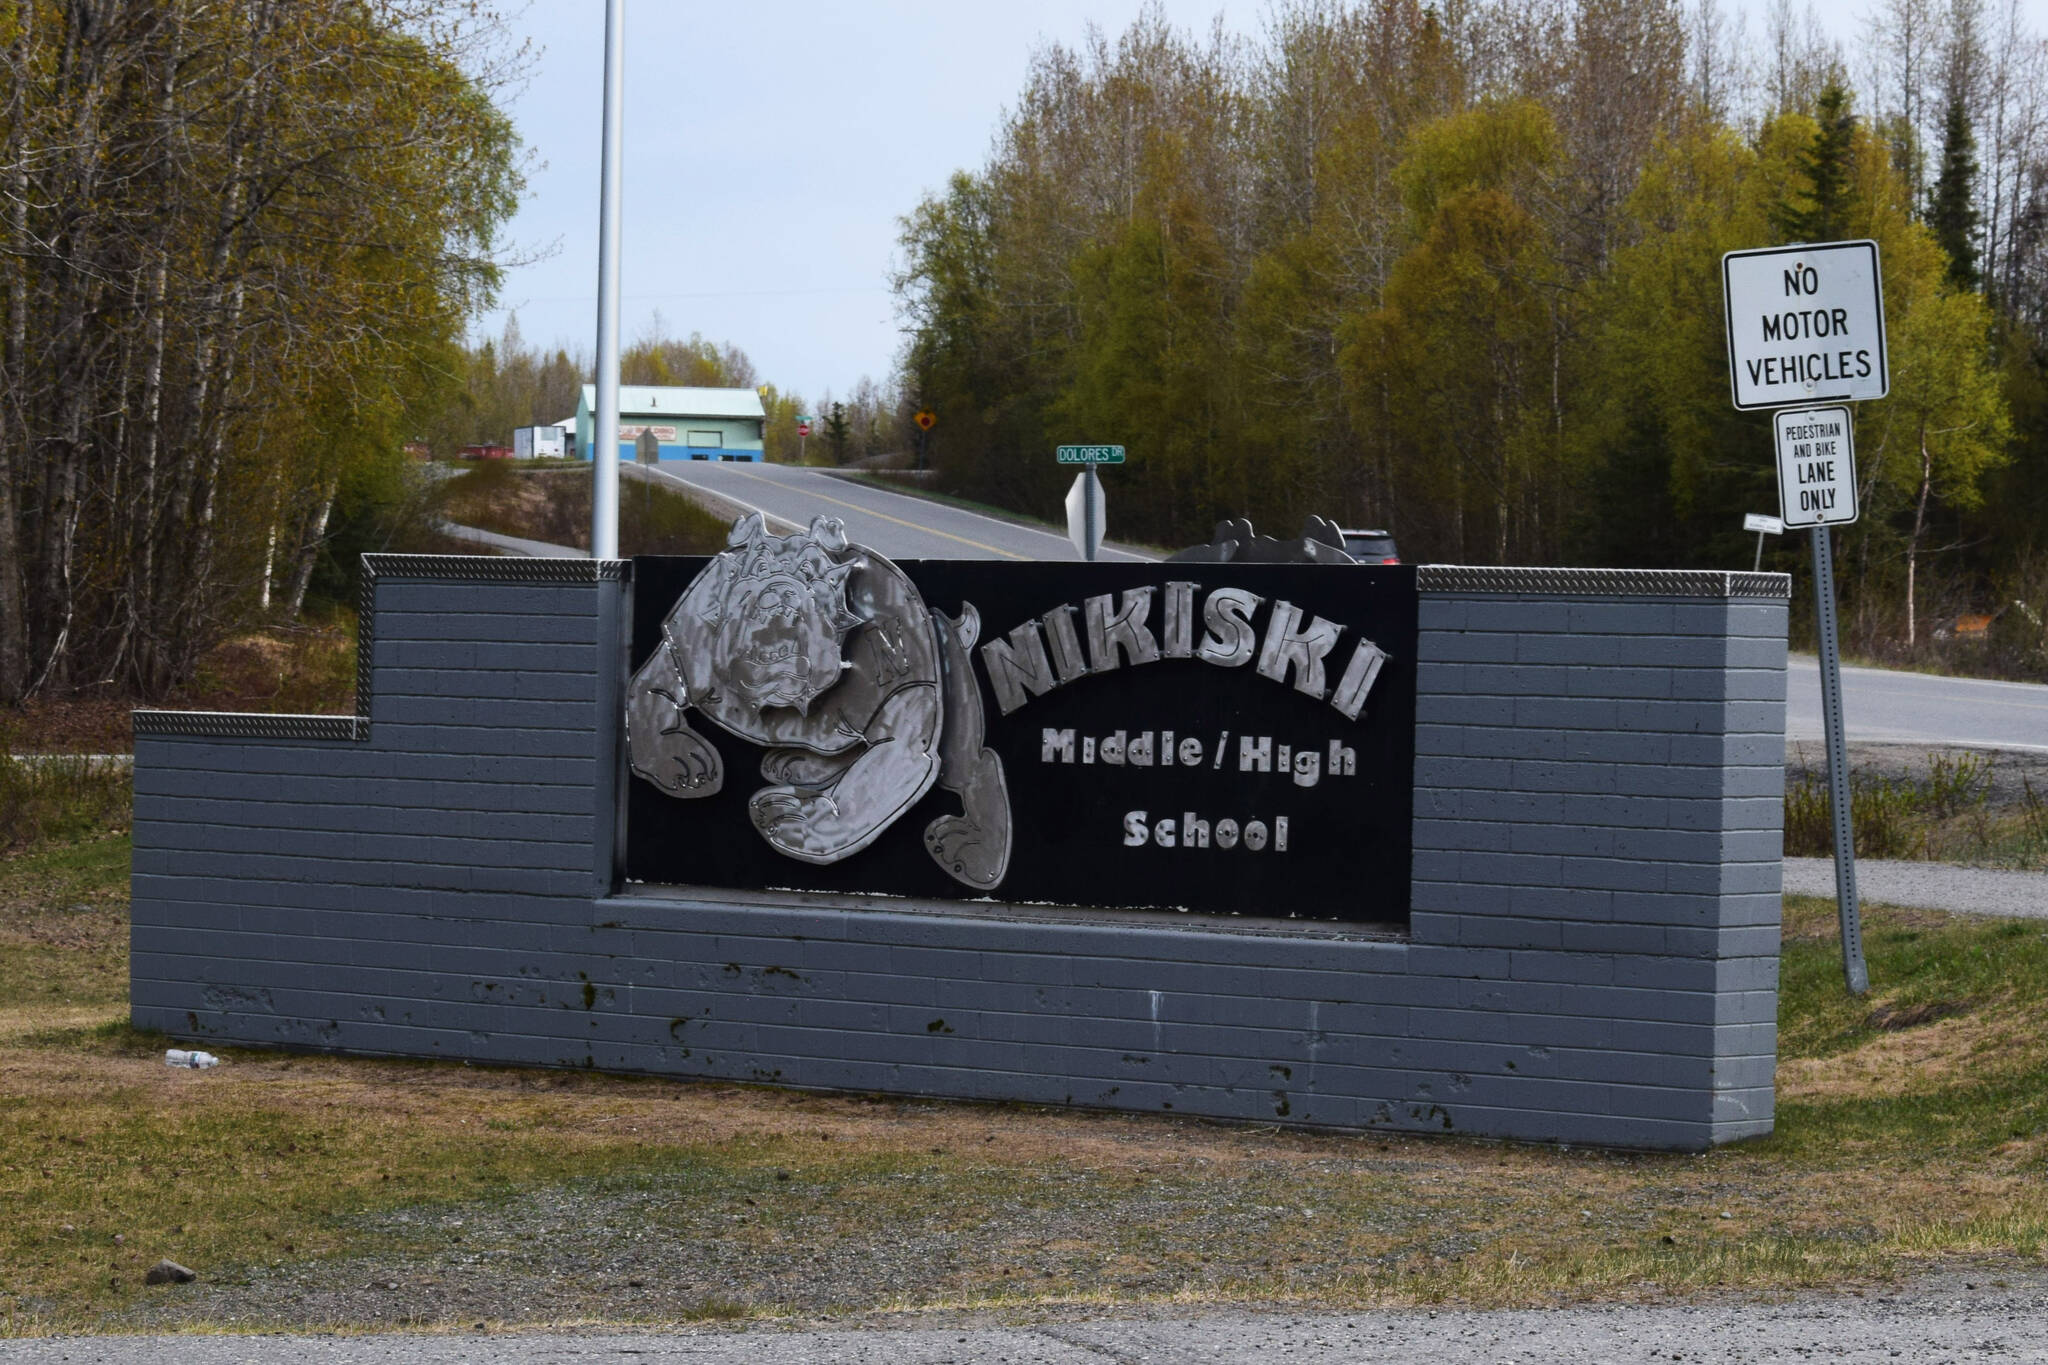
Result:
<point x="1805" y="325"/>
<point x="1275" y="843"/>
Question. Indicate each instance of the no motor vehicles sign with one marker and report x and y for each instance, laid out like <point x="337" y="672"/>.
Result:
<point x="1805" y="325"/>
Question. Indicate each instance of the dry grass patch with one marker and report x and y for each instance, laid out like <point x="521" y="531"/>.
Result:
<point x="1950" y="1050"/>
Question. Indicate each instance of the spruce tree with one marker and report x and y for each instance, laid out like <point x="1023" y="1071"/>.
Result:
<point x="1951" y="206"/>
<point x="1825" y="215"/>
<point x="837" y="432"/>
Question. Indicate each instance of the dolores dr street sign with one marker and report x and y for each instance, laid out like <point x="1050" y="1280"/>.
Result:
<point x="1805" y="324"/>
<point x="1091" y="454"/>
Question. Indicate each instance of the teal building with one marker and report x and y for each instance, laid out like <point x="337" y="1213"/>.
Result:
<point x="688" y="424"/>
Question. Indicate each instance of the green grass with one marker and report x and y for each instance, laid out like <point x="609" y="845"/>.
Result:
<point x="1951" y="1039"/>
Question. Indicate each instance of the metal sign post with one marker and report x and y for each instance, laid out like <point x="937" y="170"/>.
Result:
<point x="1848" y="909"/>
<point x="1806" y="326"/>
<point x="1091" y="532"/>
<point x="1817" y="489"/>
<point x="1763" y="526"/>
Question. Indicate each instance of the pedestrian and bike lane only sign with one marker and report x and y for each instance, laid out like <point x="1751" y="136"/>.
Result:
<point x="1816" y="466"/>
<point x="1805" y="325"/>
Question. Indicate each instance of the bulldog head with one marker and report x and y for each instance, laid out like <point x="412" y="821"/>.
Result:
<point x="781" y="616"/>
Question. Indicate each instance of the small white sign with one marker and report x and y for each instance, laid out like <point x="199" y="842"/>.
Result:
<point x="1816" y="467"/>
<point x="1805" y="324"/>
<point x="1763" y="525"/>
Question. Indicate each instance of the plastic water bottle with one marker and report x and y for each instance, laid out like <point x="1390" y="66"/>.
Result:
<point x="178" y="1056"/>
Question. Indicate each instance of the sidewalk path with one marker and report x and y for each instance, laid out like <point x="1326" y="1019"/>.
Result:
<point x="1927" y="886"/>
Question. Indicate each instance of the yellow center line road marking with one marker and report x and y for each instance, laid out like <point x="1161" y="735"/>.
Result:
<point x="871" y="512"/>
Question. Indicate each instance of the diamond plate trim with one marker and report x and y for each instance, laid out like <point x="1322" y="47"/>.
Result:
<point x="494" y="569"/>
<point x="245" y="725"/>
<point x="1465" y="578"/>
<point x="442" y="568"/>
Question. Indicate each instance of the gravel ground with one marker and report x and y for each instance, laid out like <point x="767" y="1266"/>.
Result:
<point x="1927" y="886"/>
<point x="712" y="1245"/>
<point x="1985" y="1315"/>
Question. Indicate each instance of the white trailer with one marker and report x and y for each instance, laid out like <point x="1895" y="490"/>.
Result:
<point x="532" y="443"/>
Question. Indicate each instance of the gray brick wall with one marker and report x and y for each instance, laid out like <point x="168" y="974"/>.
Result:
<point x="1592" y="956"/>
<point x="1599" y="802"/>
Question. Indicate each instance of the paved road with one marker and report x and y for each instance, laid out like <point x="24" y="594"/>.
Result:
<point x="1953" y="1324"/>
<point x="897" y="524"/>
<point x="1879" y="704"/>
<point x="513" y="545"/>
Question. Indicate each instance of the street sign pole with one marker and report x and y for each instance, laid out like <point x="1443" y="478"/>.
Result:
<point x="1090" y="533"/>
<point x="1806" y="327"/>
<point x="1848" y="909"/>
<point x="1817" y="489"/>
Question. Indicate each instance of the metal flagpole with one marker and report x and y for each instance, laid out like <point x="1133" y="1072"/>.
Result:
<point x="604" y="444"/>
<point x="1853" y="969"/>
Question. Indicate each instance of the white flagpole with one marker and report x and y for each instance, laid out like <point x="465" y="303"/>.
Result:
<point x="604" y="444"/>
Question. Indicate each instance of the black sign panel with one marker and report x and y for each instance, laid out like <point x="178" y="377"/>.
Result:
<point x="1216" y="738"/>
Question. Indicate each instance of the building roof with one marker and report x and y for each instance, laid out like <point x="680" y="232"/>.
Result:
<point x="647" y="400"/>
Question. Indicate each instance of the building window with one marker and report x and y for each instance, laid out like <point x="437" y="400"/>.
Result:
<point x="709" y="439"/>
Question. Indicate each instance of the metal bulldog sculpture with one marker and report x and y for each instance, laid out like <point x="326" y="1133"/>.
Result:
<point x="824" y="652"/>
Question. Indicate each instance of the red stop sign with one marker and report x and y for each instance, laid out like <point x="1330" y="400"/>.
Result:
<point x="803" y="428"/>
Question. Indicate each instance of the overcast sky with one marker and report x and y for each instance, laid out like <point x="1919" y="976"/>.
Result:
<point x="770" y="149"/>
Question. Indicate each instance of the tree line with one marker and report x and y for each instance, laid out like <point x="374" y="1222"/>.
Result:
<point x="241" y="239"/>
<point x="1453" y="269"/>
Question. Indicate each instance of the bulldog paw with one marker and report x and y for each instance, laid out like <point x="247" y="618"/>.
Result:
<point x="968" y="852"/>
<point x="798" y="823"/>
<point x="679" y="761"/>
